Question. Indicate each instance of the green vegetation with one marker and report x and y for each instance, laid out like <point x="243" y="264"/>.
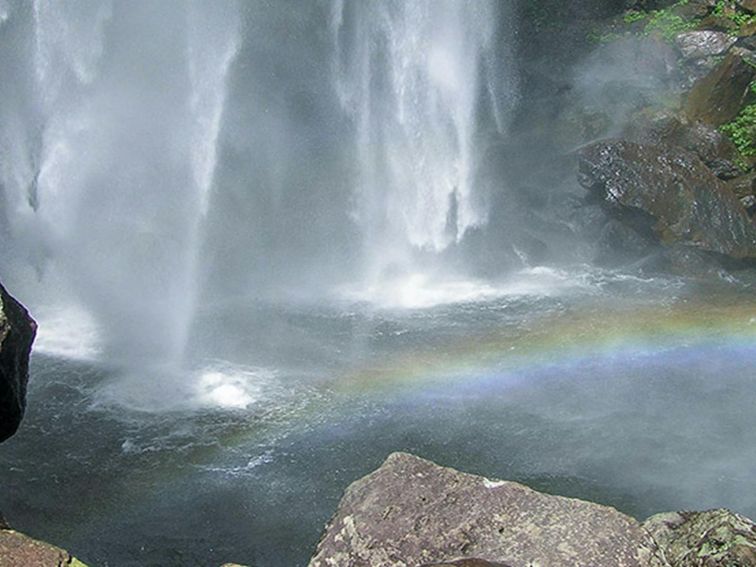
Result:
<point x="632" y="16"/>
<point x="731" y="11"/>
<point x="668" y="24"/>
<point x="742" y="131"/>
<point x="665" y="23"/>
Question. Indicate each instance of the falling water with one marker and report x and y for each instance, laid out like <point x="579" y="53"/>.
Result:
<point x="143" y="168"/>
<point x="112" y="166"/>
<point x="417" y="77"/>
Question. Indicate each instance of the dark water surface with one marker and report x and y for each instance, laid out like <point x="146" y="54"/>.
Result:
<point x="645" y="405"/>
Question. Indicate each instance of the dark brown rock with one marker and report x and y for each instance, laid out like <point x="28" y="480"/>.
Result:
<point x="744" y="185"/>
<point x="748" y="5"/>
<point x="706" y="142"/>
<point x="716" y="538"/>
<point x="724" y="169"/>
<point x="718" y="97"/>
<point x="412" y="512"/>
<point x="714" y="148"/>
<point x="17" y="331"/>
<point x="670" y="193"/>
<point x="19" y="550"/>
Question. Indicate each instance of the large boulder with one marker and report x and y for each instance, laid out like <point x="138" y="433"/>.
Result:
<point x="718" y="97"/>
<point x="708" y="143"/>
<point x="17" y="550"/>
<point x="17" y="331"/>
<point x="412" y="512"/>
<point x="668" y="193"/>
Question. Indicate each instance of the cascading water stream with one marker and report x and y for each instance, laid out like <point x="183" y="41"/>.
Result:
<point x="138" y="178"/>
<point x="416" y="78"/>
<point x="117" y="159"/>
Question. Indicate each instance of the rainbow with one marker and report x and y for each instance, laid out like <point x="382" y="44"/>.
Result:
<point x="564" y="338"/>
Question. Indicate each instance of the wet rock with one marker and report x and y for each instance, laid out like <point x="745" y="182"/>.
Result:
<point x="619" y="244"/>
<point x="694" y="8"/>
<point x="17" y="331"/>
<point x="706" y="142"/>
<point x="724" y="169"/>
<point x="412" y="512"/>
<point x="749" y="204"/>
<point x="18" y="550"/>
<point x="669" y="192"/>
<point x="743" y="186"/>
<point x="702" y="44"/>
<point x="717" y="538"/>
<point x="718" y="97"/>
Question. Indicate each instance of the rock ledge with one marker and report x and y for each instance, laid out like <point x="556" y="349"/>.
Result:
<point x="411" y="512"/>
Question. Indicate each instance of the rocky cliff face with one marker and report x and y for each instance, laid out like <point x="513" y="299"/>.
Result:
<point x="670" y="194"/>
<point x="411" y="512"/>
<point x="17" y="331"/>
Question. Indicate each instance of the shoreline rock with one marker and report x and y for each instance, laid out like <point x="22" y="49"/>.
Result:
<point x="414" y="512"/>
<point x="17" y="332"/>
<point x="411" y="512"/>
<point x="17" y="549"/>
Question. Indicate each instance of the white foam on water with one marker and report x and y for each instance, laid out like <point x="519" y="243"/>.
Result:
<point x="422" y="291"/>
<point x="244" y="469"/>
<point x="68" y="332"/>
<point x="219" y="386"/>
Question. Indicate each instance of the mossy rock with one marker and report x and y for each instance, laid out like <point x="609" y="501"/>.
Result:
<point x="716" y="538"/>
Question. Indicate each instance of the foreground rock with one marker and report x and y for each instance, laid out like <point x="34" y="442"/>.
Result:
<point x="668" y="193"/>
<point x="717" y="538"/>
<point x="18" y="550"/>
<point x="412" y="512"/>
<point x="17" y="331"/>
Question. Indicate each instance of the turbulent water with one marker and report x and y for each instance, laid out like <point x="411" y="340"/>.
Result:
<point x="258" y="239"/>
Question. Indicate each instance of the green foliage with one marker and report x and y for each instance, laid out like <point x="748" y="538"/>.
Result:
<point x="632" y="16"/>
<point x="667" y="24"/>
<point x="608" y="37"/>
<point x="731" y="11"/>
<point x="742" y="130"/>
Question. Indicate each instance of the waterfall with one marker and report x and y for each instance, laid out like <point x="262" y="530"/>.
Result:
<point x="155" y="156"/>
<point x="415" y="77"/>
<point x="112" y="165"/>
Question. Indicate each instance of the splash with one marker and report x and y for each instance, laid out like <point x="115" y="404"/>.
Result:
<point x="423" y="290"/>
